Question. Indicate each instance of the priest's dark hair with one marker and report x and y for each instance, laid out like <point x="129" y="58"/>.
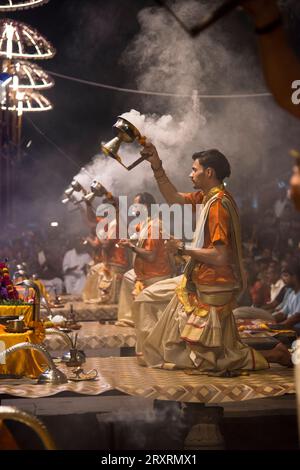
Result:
<point x="214" y="159"/>
<point x="146" y="198"/>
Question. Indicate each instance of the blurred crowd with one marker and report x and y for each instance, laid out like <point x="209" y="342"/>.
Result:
<point x="271" y="241"/>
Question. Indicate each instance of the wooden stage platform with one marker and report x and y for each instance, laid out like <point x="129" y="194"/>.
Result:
<point x="124" y="375"/>
<point x="86" y="312"/>
<point x="127" y="396"/>
<point x="94" y="337"/>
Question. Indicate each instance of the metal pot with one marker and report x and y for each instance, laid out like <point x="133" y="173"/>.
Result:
<point x="74" y="358"/>
<point x="15" y="326"/>
<point x="5" y="319"/>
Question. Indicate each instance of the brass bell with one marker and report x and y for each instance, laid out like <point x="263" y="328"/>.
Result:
<point x="111" y="148"/>
<point x="69" y="191"/>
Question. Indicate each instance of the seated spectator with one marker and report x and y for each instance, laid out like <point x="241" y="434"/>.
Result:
<point x="75" y="264"/>
<point x="265" y="312"/>
<point x="288" y="312"/>
<point x="49" y="269"/>
<point x="260" y="291"/>
<point x="275" y="280"/>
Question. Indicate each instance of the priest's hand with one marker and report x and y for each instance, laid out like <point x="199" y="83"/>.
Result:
<point x="173" y="245"/>
<point x="262" y="11"/>
<point x="149" y="152"/>
<point x="126" y="243"/>
<point x="279" y="317"/>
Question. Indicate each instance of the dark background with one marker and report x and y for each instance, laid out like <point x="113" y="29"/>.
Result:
<point x="90" y="37"/>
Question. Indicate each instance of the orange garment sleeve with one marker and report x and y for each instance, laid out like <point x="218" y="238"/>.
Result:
<point x="150" y="244"/>
<point x="193" y="198"/>
<point x="218" y="224"/>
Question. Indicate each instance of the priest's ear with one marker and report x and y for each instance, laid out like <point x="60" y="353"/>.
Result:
<point x="210" y="172"/>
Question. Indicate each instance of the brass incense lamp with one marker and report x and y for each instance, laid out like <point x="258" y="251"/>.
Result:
<point x="97" y="190"/>
<point x="125" y="132"/>
<point x="75" y="186"/>
<point x="74" y="357"/>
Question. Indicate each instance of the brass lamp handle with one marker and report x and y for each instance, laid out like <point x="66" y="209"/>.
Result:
<point x="137" y="162"/>
<point x="141" y="141"/>
<point x="14" y="414"/>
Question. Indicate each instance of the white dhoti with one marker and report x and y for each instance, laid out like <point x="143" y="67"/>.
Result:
<point x="208" y="343"/>
<point x="126" y="300"/>
<point x="103" y="284"/>
<point x="149" y="305"/>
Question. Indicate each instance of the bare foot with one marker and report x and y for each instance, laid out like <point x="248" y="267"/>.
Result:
<point x="284" y="357"/>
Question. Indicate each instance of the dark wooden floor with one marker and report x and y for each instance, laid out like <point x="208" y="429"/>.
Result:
<point x="267" y="424"/>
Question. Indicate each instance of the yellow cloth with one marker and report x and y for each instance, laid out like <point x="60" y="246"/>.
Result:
<point x="138" y="287"/>
<point x="42" y="288"/>
<point x="103" y="284"/>
<point x="16" y="310"/>
<point x="27" y="363"/>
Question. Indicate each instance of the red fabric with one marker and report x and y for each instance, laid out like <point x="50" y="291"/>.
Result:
<point x="260" y="293"/>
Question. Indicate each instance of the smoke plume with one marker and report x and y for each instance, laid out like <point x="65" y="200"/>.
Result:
<point x="253" y="132"/>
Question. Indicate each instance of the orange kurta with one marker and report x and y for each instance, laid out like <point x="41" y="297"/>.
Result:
<point x="114" y="255"/>
<point x="217" y="230"/>
<point x="160" y="266"/>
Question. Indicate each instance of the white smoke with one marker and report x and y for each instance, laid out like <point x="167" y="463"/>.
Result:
<point x="254" y="133"/>
<point x="171" y="137"/>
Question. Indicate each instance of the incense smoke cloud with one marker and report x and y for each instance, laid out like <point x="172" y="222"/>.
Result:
<point x="144" y="422"/>
<point x="254" y="133"/>
<point x="168" y="134"/>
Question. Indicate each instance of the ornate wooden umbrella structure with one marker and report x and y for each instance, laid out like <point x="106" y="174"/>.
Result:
<point x="13" y="5"/>
<point x="19" y="43"/>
